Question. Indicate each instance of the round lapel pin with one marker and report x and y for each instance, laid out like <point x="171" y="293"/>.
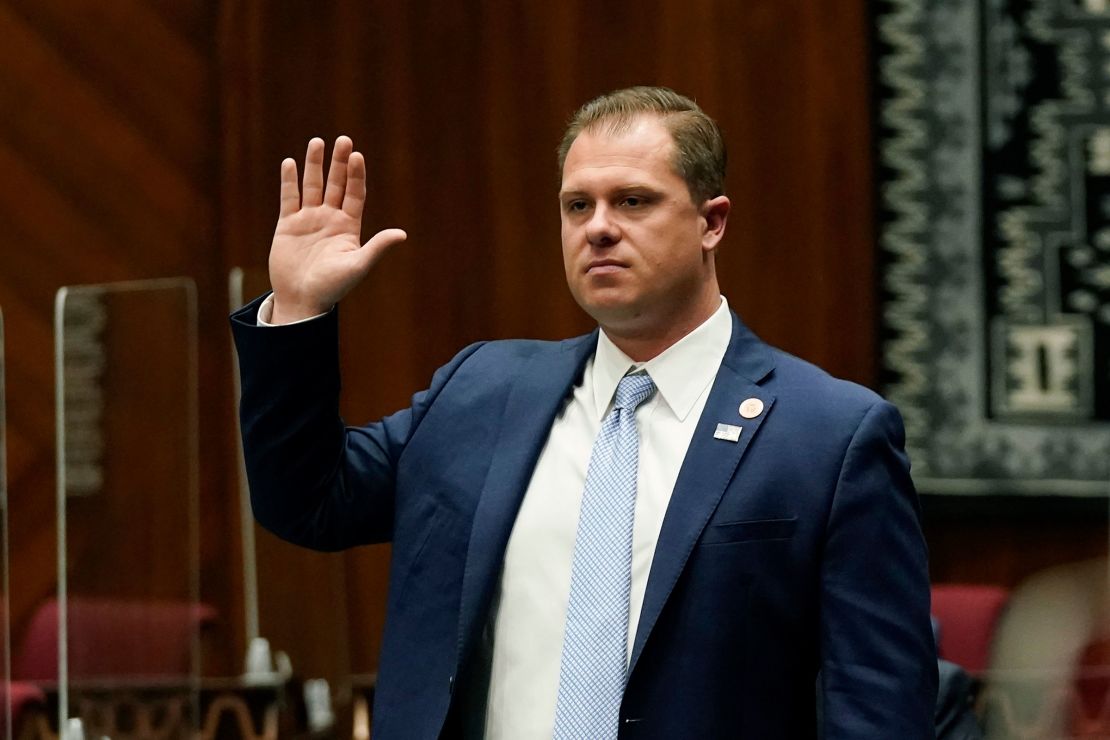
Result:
<point x="751" y="408"/>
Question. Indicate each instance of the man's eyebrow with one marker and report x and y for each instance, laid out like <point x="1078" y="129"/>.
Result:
<point x="642" y="187"/>
<point x="619" y="190"/>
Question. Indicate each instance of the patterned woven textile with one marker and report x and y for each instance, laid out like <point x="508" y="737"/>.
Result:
<point x="994" y="156"/>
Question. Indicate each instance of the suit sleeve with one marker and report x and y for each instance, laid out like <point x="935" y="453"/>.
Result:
<point x="314" y="481"/>
<point x="879" y="670"/>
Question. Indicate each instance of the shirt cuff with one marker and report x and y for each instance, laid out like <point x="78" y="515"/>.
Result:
<point x="266" y="312"/>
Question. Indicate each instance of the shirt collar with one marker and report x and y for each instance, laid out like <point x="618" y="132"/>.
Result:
<point x="681" y="372"/>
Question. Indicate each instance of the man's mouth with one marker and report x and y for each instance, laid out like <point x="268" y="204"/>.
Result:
<point x="597" y="267"/>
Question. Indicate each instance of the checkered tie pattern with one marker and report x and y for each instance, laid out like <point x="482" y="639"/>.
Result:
<point x="593" y="668"/>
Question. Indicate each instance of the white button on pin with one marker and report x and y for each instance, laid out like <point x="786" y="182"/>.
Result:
<point x="751" y="408"/>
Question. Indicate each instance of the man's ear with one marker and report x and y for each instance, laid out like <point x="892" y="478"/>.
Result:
<point x="715" y="214"/>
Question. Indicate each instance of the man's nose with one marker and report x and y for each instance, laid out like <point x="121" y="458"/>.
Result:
<point x="602" y="229"/>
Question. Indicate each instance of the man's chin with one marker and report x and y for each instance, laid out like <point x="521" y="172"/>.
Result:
<point x="614" y="313"/>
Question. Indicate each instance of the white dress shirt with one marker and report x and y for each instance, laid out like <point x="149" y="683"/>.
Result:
<point x="530" y="604"/>
<point x="266" y="313"/>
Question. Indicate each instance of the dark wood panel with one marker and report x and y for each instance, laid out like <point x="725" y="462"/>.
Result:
<point x="143" y="139"/>
<point x="108" y="143"/>
<point x="77" y="131"/>
<point x="1004" y="540"/>
<point x="159" y="80"/>
<point x="458" y="108"/>
<point x="50" y="234"/>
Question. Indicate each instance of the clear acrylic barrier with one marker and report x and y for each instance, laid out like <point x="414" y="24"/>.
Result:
<point x="127" y="614"/>
<point x="10" y="695"/>
<point x="1037" y="651"/>
<point x="295" y="602"/>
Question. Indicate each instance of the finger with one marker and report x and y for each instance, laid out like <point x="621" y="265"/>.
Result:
<point x="290" y="194"/>
<point x="313" y="190"/>
<point x="337" y="172"/>
<point x="355" y="196"/>
<point x="373" y="250"/>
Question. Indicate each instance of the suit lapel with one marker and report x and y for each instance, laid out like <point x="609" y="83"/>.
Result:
<point x="707" y="470"/>
<point x="537" y="394"/>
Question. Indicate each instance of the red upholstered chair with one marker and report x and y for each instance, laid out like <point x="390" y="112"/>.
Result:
<point x="22" y="698"/>
<point x="1091" y="708"/>
<point x="26" y="700"/>
<point x="968" y="615"/>
<point x="111" y="638"/>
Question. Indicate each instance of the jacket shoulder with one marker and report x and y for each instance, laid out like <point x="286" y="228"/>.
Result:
<point x="800" y="376"/>
<point x="506" y="355"/>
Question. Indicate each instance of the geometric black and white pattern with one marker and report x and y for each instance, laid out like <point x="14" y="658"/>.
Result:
<point x="994" y="171"/>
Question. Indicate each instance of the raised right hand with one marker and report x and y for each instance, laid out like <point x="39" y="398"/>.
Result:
<point x="317" y="255"/>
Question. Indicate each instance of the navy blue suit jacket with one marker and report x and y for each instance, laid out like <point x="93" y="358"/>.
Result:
<point x="789" y="559"/>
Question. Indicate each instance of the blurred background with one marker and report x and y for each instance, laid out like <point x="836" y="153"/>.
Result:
<point x="140" y="141"/>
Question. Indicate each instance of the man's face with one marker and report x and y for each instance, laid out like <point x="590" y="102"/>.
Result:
<point x="635" y="245"/>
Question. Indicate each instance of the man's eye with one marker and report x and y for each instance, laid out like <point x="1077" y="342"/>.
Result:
<point x="576" y="206"/>
<point x="633" y="201"/>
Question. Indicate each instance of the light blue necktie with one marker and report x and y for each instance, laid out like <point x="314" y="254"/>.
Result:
<point x="593" y="668"/>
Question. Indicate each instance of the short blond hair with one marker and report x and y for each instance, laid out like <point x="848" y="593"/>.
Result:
<point x="700" y="157"/>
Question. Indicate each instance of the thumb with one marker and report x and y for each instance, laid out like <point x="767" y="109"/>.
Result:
<point x="373" y="249"/>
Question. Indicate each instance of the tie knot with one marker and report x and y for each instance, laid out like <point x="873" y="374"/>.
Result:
<point x="633" y="390"/>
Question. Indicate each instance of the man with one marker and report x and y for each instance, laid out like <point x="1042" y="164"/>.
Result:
<point x="664" y="529"/>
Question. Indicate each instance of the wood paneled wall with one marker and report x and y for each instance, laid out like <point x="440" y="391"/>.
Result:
<point x="458" y="108"/>
<point x="143" y="139"/>
<point x="108" y="143"/>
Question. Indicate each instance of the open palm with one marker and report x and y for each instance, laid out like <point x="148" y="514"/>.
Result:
<point x="317" y="255"/>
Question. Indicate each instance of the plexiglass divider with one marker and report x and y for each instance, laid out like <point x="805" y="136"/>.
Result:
<point x="127" y="614"/>
<point x="1045" y="673"/>
<point x="278" y="577"/>
<point x="6" y="701"/>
